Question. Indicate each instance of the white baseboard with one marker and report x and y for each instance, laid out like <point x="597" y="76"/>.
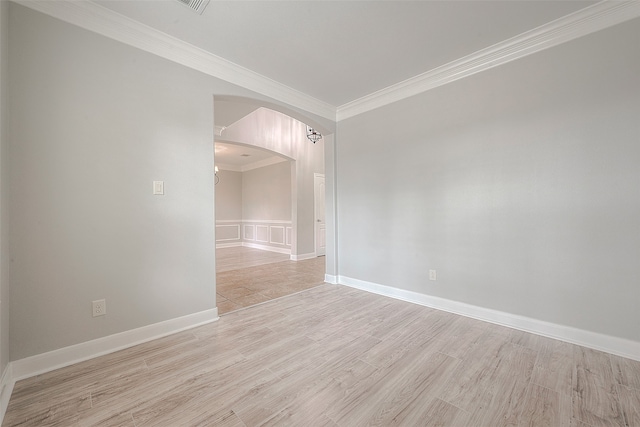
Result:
<point x="619" y="346"/>
<point x="6" y="388"/>
<point x="302" y="257"/>
<point x="45" y="362"/>
<point x="228" y="245"/>
<point x="328" y="278"/>
<point x="267" y="248"/>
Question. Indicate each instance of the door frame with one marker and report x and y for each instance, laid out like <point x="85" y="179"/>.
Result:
<point x="316" y="176"/>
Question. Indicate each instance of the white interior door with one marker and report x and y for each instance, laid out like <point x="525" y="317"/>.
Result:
<point x="320" y="226"/>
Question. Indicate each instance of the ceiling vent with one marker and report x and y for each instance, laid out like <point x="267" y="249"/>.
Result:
<point x="195" y="5"/>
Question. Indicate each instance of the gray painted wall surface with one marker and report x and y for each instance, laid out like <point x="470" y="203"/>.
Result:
<point x="229" y="196"/>
<point x="330" y="204"/>
<point x="4" y="189"/>
<point x="266" y="193"/>
<point x="519" y="185"/>
<point x="93" y="123"/>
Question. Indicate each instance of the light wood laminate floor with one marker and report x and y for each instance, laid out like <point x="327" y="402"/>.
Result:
<point x="246" y="276"/>
<point x="239" y="257"/>
<point x="336" y="356"/>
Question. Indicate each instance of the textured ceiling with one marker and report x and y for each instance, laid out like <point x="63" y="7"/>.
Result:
<point x="339" y="51"/>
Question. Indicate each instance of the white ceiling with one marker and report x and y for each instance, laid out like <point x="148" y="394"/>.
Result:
<point x="340" y="51"/>
<point x="241" y="158"/>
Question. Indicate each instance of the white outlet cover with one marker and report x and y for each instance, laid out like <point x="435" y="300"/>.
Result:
<point x="432" y="275"/>
<point x="99" y="307"/>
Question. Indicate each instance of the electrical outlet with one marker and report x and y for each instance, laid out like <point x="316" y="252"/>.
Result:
<point x="99" y="307"/>
<point x="432" y="275"/>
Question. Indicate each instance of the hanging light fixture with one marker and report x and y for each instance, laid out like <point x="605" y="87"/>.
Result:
<point x="216" y="175"/>
<point x="313" y="135"/>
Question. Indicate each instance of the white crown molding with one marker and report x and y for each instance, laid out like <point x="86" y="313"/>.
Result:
<point x="262" y="163"/>
<point x="99" y="19"/>
<point x="585" y="21"/>
<point x="607" y="343"/>
<point x="251" y="166"/>
<point x="229" y="168"/>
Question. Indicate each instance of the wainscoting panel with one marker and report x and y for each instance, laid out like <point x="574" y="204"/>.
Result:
<point x="227" y="232"/>
<point x="276" y="234"/>
<point x="249" y="232"/>
<point x="262" y="233"/>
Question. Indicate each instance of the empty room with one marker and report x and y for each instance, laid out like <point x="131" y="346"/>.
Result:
<point x="319" y="213"/>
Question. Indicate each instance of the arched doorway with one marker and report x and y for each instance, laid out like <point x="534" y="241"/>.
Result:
<point x="249" y="124"/>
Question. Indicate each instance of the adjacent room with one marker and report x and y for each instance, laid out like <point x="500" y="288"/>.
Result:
<point x="262" y="206"/>
<point x="254" y="230"/>
<point x="343" y="213"/>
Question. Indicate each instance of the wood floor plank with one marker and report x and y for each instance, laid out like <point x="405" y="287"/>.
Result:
<point x="545" y="407"/>
<point x="337" y="356"/>
<point x="438" y="413"/>
<point x="468" y="385"/>
<point x="247" y="276"/>
<point x="554" y="367"/>
<point x="594" y="400"/>
<point x="626" y="371"/>
<point x="630" y="404"/>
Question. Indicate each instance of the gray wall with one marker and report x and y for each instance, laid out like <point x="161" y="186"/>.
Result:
<point x="4" y="189"/>
<point x="93" y="123"/>
<point x="266" y="193"/>
<point x="519" y="185"/>
<point x="229" y="196"/>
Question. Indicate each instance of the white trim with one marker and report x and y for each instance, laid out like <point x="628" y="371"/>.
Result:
<point x="302" y="257"/>
<point x="268" y="221"/>
<point x="287" y="239"/>
<point x="271" y="227"/>
<point x="93" y="17"/>
<point x="251" y="166"/>
<point x="266" y="239"/>
<point x="253" y="231"/>
<point x="228" y="168"/>
<point x="267" y="248"/>
<point x="331" y="279"/>
<point x="228" y="245"/>
<point x="619" y="346"/>
<point x="6" y="388"/>
<point x="99" y="19"/>
<point x="585" y="21"/>
<point x="45" y="362"/>
<point x="262" y="163"/>
<point x="259" y="221"/>
<point x="234" y="238"/>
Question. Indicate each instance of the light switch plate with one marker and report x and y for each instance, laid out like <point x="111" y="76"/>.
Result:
<point x="158" y="188"/>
